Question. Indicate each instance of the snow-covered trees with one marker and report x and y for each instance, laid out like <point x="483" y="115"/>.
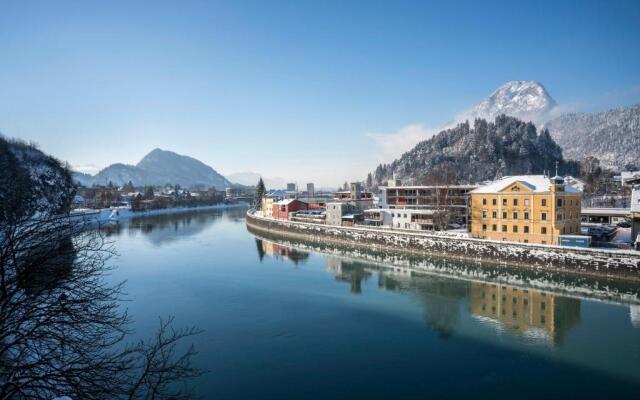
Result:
<point x="613" y="136"/>
<point x="485" y="151"/>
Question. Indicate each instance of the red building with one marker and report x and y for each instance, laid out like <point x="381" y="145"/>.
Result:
<point x="282" y="208"/>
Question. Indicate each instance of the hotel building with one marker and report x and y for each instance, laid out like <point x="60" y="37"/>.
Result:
<point x="526" y="209"/>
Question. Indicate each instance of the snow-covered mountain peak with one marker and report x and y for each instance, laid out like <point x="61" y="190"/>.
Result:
<point x="527" y="100"/>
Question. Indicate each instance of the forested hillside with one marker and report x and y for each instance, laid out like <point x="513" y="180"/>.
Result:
<point x="485" y="151"/>
<point x="613" y="136"/>
<point x="31" y="181"/>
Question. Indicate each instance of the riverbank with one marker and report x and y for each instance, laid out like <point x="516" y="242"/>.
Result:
<point x="115" y="214"/>
<point x="397" y="263"/>
<point x="588" y="262"/>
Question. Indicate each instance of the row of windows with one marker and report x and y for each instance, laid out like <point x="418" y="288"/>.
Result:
<point x="543" y="320"/>
<point x="559" y="202"/>
<point x="515" y="215"/>
<point x="525" y="229"/>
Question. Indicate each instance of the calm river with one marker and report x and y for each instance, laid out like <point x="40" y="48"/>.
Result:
<point x="289" y="322"/>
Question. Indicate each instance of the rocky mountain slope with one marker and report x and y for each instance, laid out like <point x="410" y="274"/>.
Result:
<point x="526" y="100"/>
<point x="466" y="154"/>
<point x="159" y="167"/>
<point x="32" y="182"/>
<point x="613" y="136"/>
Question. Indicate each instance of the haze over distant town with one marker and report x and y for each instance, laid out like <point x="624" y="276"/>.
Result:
<point x="301" y="92"/>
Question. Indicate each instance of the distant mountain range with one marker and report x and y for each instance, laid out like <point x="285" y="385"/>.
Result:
<point x="159" y="167"/>
<point x="251" y="179"/>
<point x="612" y="136"/>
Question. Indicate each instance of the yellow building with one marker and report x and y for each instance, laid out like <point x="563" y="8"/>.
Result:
<point x="526" y="209"/>
<point x="267" y="206"/>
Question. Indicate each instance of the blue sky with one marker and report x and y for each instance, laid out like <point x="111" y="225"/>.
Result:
<point x="289" y="88"/>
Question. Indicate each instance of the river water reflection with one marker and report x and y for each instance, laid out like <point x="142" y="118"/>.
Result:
<point x="287" y="320"/>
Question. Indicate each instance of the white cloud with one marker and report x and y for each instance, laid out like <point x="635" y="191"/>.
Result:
<point x="91" y="169"/>
<point x="392" y="145"/>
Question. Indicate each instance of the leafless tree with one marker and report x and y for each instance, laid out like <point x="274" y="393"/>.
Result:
<point x="63" y="331"/>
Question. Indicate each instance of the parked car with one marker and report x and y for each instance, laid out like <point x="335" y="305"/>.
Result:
<point x="624" y="224"/>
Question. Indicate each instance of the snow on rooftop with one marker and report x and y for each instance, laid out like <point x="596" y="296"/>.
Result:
<point x="537" y="183"/>
<point x="286" y="202"/>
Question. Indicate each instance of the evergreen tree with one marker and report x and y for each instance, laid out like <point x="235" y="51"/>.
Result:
<point x="128" y="188"/>
<point x="260" y="190"/>
<point x="148" y="193"/>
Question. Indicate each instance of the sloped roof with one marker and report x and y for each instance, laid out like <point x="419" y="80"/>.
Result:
<point x="537" y="183"/>
<point x="287" y="202"/>
<point x="276" y="193"/>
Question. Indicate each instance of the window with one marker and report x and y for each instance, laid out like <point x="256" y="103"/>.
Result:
<point x="515" y="215"/>
<point x="504" y="228"/>
<point x="526" y="215"/>
<point x="559" y="217"/>
<point x="515" y="202"/>
<point x="494" y="227"/>
<point x="504" y="215"/>
<point x="494" y="202"/>
<point x="484" y="202"/>
<point x="543" y="216"/>
<point x="526" y="202"/>
<point x="494" y="214"/>
<point x="484" y="213"/>
<point x="393" y="215"/>
<point x="544" y="202"/>
<point x="515" y="229"/>
<point x="504" y="202"/>
<point x="559" y="202"/>
<point x="526" y="229"/>
<point x="484" y="227"/>
<point x="543" y="230"/>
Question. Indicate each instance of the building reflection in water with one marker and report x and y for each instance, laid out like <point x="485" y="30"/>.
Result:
<point x="280" y="252"/>
<point x="634" y="315"/>
<point x="351" y="272"/>
<point x="524" y="311"/>
<point x="539" y="315"/>
<point x="440" y="296"/>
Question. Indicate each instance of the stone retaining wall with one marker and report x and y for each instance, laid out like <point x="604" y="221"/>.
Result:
<point x="619" y="264"/>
